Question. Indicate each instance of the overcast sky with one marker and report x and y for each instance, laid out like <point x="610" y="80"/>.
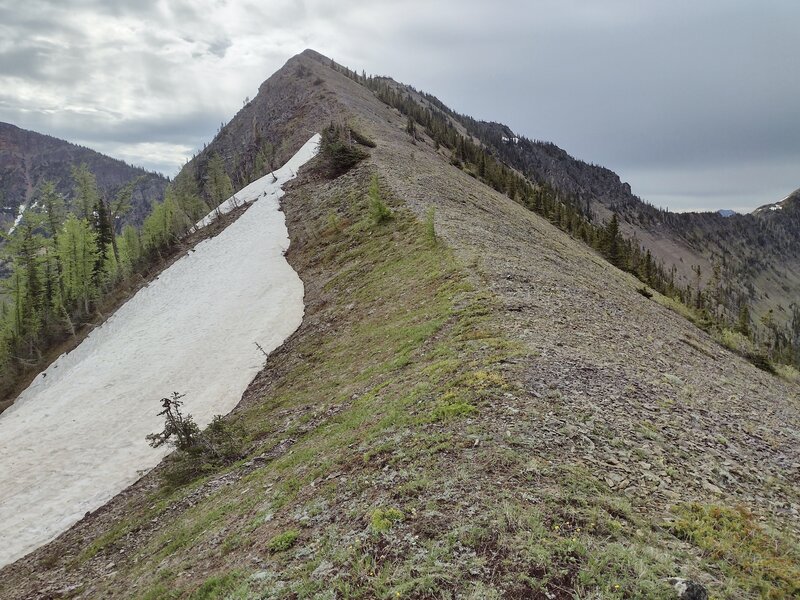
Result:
<point x="695" y="103"/>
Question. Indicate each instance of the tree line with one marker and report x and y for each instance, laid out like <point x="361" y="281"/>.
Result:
<point x="68" y="257"/>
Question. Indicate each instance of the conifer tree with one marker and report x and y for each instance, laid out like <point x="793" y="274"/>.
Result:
<point x="130" y="250"/>
<point x="118" y="208"/>
<point x="104" y="238"/>
<point x="26" y="281"/>
<point x="86" y="193"/>
<point x="77" y="250"/>
<point x="219" y="183"/>
<point x="743" y="324"/>
<point x="612" y="242"/>
<point x="51" y="206"/>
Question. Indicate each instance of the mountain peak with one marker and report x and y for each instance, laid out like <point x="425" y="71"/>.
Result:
<point x="790" y="200"/>
<point x="311" y="53"/>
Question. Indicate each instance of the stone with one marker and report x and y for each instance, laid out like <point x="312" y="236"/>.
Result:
<point x="688" y="589"/>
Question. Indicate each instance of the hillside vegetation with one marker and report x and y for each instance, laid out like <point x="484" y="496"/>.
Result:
<point x="29" y="159"/>
<point x="69" y="261"/>
<point x="477" y="405"/>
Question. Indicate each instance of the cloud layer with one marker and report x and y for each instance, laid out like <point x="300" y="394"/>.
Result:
<point x="695" y="104"/>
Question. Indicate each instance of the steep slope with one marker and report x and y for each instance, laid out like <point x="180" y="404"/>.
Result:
<point x="789" y="203"/>
<point x="758" y="258"/>
<point x="194" y="329"/>
<point x="28" y="158"/>
<point x="476" y="405"/>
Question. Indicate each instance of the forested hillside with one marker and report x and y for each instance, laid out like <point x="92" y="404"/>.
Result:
<point x="29" y="159"/>
<point x="69" y="262"/>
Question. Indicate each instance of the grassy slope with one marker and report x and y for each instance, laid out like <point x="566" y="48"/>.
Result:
<point x="386" y="458"/>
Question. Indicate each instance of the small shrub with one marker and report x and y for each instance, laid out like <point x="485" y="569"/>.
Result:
<point x="788" y="372"/>
<point x="197" y="452"/>
<point x="645" y="292"/>
<point x="377" y="207"/>
<point x="338" y="151"/>
<point x="333" y="224"/>
<point x="735" y="341"/>
<point x="283" y="541"/>
<point x="179" y="431"/>
<point x="383" y="519"/>
<point x="360" y="138"/>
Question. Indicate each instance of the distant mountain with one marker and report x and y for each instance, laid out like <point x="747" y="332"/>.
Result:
<point x="787" y="203"/>
<point x="726" y="212"/>
<point x="756" y="256"/>
<point x="28" y="158"/>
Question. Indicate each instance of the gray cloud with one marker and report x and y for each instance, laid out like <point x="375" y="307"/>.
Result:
<point x="693" y="103"/>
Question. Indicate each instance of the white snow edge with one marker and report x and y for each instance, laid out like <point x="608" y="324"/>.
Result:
<point x="256" y="189"/>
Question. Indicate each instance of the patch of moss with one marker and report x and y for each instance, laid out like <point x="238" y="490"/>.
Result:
<point x="451" y="406"/>
<point x="283" y="541"/>
<point x="382" y="519"/>
<point x="733" y="542"/>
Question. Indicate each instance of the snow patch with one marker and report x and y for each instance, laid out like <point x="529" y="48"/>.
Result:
<point x="76" y="436"/>
<point x="20" y="212"/>
<point x="257" y="189"/>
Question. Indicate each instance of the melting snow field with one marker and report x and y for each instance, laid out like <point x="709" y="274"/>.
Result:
<point x="76" y="436"/>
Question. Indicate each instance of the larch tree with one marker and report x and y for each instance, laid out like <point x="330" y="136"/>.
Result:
<point x="77" y="249"/>
<point x="219" y="184"/>
<point x="86" y="192"/>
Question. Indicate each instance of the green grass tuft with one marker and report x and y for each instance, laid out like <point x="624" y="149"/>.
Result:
<point x="283" y="541"/>
<point x="382" y="519"/>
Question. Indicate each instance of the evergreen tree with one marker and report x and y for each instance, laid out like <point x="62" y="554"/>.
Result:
<point x="26" y="283"/>
<point x="77" y="250"/>
<point x="130" y="250"/>
<point x="51" y="206"/>
<point x="219" y="183"/>
<point x="121" y="206"/>
<point x="104" y="238"/>
<point x="187" y="195"/>
<point x="743" y="324"/>
<point x="86" y="193"/>
<point x="611" y="244"/>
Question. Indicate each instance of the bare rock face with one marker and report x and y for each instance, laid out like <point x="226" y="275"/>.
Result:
<point x="688" y="589"/>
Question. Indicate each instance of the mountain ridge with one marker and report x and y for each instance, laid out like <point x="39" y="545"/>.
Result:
<point x="476" y="404"/>
<point x="723" y="266"/>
